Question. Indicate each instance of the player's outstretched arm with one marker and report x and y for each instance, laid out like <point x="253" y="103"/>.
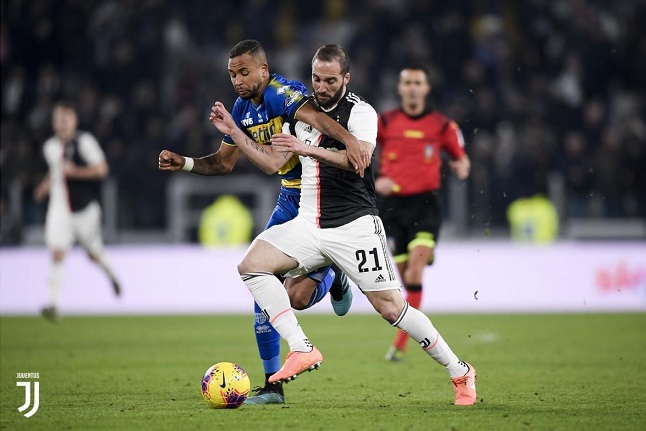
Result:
<point x="261" y="155"/>
<point x="357" y="154"/>
<point x="96" y="171"/>
<point x="216" y="164"/>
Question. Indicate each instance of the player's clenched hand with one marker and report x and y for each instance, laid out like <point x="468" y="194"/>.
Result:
<point x="169" y="161"/>
<point x="385" y="186"/>
<point x="222" y="119"/>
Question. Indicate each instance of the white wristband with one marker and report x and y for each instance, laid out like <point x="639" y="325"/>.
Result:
<point x="188" y="164"/>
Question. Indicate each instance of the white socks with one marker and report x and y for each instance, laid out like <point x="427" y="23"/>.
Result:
<point x="105" y="265"/>
<point x="55" y="281"/>
<point x="420" y="329"/>
<point x="56" y="277"/>
<point x="271" y="297"/>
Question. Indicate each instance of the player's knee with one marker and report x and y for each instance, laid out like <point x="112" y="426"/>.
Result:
<point x="390" y="314"/>
<point x="389" y="309"/>
<point x="58" y="255"/>
<point x="298" y="299"/>
<point x="243" y="267"/>
<point x="298" y="303"/>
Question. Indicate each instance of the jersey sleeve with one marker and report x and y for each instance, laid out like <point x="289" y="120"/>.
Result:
<point x="452" y="140"/>
<point x="286" y="98"/>
<point x="363" y="122"/>
<point x="50" y="154"/>
<point x="90" y="149"/>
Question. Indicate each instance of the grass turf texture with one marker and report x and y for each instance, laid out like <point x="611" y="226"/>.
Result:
<point x="551" y="372"/>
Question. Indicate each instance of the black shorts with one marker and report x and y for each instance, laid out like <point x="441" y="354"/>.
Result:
<point x="410" y="221"/>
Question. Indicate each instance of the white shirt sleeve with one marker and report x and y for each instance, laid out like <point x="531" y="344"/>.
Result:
<point x="363" y="122"/>
<point x="52" y="153"/>
<point x="90" y="149"/>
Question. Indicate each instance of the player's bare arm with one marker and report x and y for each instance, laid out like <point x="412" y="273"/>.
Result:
<point x="42" y="189"/>
<point x="461" y="167"/>
<point x="216" y="164"/>
<point x="263" y="156"/>
<point x="385" y="186"/>
<point x="94" y="172"/>
<point x="356" y="152"/>
<point x="284" y="142"/>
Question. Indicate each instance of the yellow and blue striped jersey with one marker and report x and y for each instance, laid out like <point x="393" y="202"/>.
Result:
<point x="281" y="99"/>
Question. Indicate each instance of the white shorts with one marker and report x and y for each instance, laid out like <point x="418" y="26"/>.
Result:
<point x="63" y="227"/>
<point x="359" y="248"/>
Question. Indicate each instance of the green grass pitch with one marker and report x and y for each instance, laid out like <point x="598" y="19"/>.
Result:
<point x="535" y="372"/>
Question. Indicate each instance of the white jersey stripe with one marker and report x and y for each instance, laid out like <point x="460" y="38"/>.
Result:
<point x="353" y="98"/>
<point x="460" y="137"/>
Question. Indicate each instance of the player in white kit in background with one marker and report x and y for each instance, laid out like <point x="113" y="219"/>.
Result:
<point x="77" y="166"/>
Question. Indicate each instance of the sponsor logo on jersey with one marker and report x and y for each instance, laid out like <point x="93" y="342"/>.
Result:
<point x="247" y="120"/>
<point x="293" y="97"/>
<point x="414" y="134"/>
<point x="262" y="133"/>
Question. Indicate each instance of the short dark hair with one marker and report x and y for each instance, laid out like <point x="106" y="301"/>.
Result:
<point x="333" y="52"/>
<point x="249" y="46"/>
<point x="418" y="67"/>
<point x="66" y="104"/>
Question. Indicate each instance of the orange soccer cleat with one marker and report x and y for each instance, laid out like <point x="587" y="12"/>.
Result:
<point x="465" y="388"/>
<point x="297" y="363"/>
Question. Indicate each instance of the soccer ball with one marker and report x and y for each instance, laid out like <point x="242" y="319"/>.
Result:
<point x="225" y="386"/>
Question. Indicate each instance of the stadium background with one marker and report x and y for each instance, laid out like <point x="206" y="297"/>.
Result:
<point x="549" y="94"/>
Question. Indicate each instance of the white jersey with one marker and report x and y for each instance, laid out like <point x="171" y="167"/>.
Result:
<point x="330" y="196"/>
<point x="73" y="213"/>
<point x="337" y="220"/>
<point x="83" y="150"/>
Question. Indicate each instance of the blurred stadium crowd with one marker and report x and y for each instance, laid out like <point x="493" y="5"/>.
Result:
<point x="541" y="88"/>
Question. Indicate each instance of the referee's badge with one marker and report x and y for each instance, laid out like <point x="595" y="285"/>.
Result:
<point x="428" y="152"/>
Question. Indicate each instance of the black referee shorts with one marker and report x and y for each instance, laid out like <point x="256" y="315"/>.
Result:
<point x="411" y="220"/>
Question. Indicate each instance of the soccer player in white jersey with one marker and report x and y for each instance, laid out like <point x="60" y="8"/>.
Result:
<point x="77" y="166"/>
<point x="337" y="223"/>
